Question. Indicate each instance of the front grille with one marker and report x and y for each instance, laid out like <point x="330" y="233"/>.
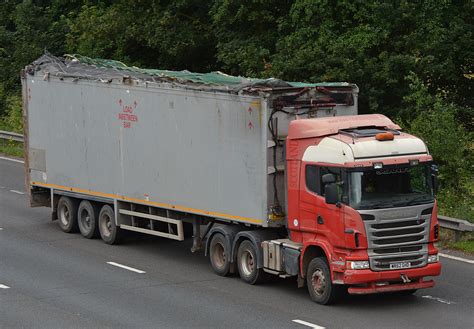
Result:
<point x="382" y="234"/>
<point x="397" y="235"/>
<point x="392" y="225"/>
<point x="416" y="260"/>
<point x="400" y="240"/>
<point x="397" y="250"/>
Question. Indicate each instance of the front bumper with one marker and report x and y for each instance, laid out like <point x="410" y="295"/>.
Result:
<point x="374" y="289"/>
<point x="374" y="282"/>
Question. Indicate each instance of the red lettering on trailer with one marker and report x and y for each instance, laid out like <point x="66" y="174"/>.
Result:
<point x="127" y="109"/>
<point x="127" y="115"/>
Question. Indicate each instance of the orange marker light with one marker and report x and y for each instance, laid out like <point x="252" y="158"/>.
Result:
<point x="387" y="136"/>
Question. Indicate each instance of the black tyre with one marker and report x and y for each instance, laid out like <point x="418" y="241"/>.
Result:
<point x="87" y="219"/>
<point x="67" y="214"/>
<point x="109" y="232"/>
<point x="247" y="263"/>
<point x="220" y="256"/>
<point x="318" y="279"/>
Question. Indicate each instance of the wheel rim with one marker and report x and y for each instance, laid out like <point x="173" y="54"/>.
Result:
<point x="85" y="219"/>
<point x="318" y="281"/>
<point x="106" y="225"/>
<point x="218" y="255"/>
<point x="64" y="215"/>
<point x="247" y="263"/>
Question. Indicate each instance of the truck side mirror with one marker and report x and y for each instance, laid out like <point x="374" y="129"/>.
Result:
<point x="328" y="178"/>
<point x="330" y="192"/>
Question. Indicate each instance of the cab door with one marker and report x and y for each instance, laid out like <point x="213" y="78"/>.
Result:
<point x="324" y="221"/>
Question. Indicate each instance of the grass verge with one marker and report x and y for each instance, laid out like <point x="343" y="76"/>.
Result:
<point x="465" y="243"/>
<point x="11" y="148"/>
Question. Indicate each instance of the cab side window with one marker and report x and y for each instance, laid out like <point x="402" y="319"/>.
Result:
<point x="328" y="170"/>
<point x="312" y="181"/>
<point x="314" y="177"/>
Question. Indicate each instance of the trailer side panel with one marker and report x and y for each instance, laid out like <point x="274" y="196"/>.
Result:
<point x="189" y="150"/>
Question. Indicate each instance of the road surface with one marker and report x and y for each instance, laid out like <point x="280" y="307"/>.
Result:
<point x="50" y="279"/>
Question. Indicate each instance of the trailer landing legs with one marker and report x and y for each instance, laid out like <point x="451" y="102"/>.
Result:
<point x="197" y="239"/>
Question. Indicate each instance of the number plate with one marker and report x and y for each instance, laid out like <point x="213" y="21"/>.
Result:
<point x="396" y="266"/>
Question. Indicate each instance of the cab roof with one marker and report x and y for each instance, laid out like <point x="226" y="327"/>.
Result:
<point x="318" y="127"/>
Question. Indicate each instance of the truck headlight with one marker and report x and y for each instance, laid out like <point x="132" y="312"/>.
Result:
<point x="433" y="258"/>
<point x="358" y="265"/>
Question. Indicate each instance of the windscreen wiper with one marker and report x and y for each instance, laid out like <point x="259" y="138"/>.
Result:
<point x="383" y="205"/>
<point x="418" y="200"/>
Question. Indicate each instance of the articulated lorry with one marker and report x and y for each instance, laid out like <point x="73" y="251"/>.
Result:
<point x="268" y="177"/>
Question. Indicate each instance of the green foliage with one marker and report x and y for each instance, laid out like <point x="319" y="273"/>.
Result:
<point x="27" y="29"/>
<point x="11" y="148"/>
<point x="465" y="242"/>
<point x="377" y="44"/>
<point x="464" y="245"/>
<point x="2" y="100"/>
<point x="12" y="120"/>
<point x="457" y="203"/>
<point x="247" y="32"/>
<point x="436" y="121"/>
<point x="173" y="35"/>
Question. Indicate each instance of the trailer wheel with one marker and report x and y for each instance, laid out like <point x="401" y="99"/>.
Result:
<point x="318" y="279"/>
<point x="87" y="216"/>
<point x="247" y="263"/>
<point x="67" y="214"/>
<point x="219" y="256"/>
<point x="109" y="232"/>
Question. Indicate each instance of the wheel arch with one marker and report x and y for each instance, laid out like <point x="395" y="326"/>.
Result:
<point x="311" y="251"/>
<point x="229" y="233"/>
<point x="256" y="237"/>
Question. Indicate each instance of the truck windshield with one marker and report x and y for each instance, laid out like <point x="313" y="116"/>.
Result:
<point x="390" y="187"/>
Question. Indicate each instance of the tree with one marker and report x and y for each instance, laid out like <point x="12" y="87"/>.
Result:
<point x="436" y="121"/>
<point x="247" y="32"/>
<point x="28" y="29"/>
<point x="376" y="45"/>
<point x="159" y="34"/>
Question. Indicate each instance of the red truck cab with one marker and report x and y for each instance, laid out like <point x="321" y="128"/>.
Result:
<point x="361" y="202"/>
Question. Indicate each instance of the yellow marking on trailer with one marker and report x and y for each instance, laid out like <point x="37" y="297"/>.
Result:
<point x="257" y="104"/>
<point x="159" y="204"/>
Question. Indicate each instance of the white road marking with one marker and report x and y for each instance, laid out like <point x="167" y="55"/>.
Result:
<point x="457" y="258"/>
<point x="441" y="300"/>
<point x="13" y="160"/>
<point x="17" y="192"/>
<point x="126" y="267"/>
<point x="1" y="228"/>
<point x="308" y="324"/>
<point x="2" y="286"/>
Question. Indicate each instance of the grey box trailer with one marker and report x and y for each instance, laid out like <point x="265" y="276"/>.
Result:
<point x="162" y="147"/>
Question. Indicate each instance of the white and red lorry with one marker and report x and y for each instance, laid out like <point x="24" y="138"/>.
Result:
<point x="270" y="177"/>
